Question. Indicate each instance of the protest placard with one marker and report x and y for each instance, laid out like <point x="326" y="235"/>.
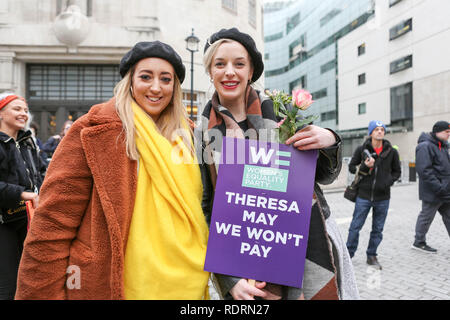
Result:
<point x="261" y="212"/>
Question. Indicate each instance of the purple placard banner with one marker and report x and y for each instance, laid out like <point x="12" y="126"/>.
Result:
<point x="261" y="212"/>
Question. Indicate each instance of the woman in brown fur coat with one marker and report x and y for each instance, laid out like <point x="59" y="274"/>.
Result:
<point x="96" y="233"/>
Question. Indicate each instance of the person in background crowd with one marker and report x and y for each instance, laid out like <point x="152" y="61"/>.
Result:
<point x="116" y="207"/>
<point x="49" y="147"/>
<point x="379" y="166"/>
<point x="233" y="63"/>
<point x="34" y="128"/>
<point x="433" y="167"/>
<point x="20" y="180"/>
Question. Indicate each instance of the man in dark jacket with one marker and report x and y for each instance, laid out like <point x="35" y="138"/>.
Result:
<point x="433" y="167"/>
<point x="379" y="167"/>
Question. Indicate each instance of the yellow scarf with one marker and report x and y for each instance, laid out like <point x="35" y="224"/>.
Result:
<point x="166" y="247"/>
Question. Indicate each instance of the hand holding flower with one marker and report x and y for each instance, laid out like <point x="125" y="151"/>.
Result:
<point x="312" y="137"/>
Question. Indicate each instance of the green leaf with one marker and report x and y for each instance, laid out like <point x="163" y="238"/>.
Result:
<point x="283" y="108"/>
<point x="306" y="120"/>
<point x="276" y="108"/>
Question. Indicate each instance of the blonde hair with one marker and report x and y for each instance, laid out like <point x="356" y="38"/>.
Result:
<point x="171" y="123"/>
<point x="211" y="51"/>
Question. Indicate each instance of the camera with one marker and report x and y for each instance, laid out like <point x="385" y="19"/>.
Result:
<point x="367" y="154"/>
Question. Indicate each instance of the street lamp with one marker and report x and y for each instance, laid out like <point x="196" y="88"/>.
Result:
<point x="192" y="46"/>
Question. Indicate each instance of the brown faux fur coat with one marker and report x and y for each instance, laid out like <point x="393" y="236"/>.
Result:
<point x="84" y="215"/>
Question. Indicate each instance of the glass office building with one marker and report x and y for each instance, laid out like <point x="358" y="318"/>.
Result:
<point x="300" y="39"/>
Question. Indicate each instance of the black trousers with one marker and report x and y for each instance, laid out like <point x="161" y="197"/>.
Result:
<point x="12" y="236"/>
<point x="426" y="217"/>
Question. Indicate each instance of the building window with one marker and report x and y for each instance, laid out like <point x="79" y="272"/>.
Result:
<point x="85" y="6"/>
<point x="252" y="12"/>
<point x="321" y="46"/>
<point x="266" y="56"/>
<point x="361" y="79"/>
<point x="361" y="49"/>
<point x="273" y="37"/>
<point x="292" y="22"/>
<point x="230" y="5"/>
<point x="71" y="82"/>
<point x="326" y="116"/>
<point x="187" y="103"/>
<point x="400" y="29"/>
<point x="328" y="66"/>
<point x="393" y="2"/>
<point x="56" y="92"/>
<point x="297" y="48"/>
<point x="300" y="82"/>
<point x="402" y="106"/>
<point x="319" y="94"/>
<point x="401" y="64"/>
<point x="89" y="8"/>
<point x="330" y="15"/>
<point x="276" y="72"/>
<point x="362" y="108"/>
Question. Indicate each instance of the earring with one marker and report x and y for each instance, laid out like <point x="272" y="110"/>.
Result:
<point x="211" y="80"/>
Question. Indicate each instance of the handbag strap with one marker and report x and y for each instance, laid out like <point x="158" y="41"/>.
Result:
<point x="357" y="178"/>
<point x="34" y="173"/>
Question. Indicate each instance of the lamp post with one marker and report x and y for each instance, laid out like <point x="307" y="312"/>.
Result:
<point x="192" y="46"/>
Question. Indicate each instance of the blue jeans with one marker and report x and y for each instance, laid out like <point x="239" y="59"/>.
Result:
<point x="379" y="214"/>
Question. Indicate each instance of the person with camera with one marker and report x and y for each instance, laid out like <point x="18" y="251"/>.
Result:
<point x="379" y="168"/>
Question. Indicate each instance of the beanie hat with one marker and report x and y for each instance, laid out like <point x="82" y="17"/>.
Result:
<point x="374" y="124"/>
<point x="156" y="49"/>
<point x="244" y="39"/>
<point x="441" y="126"/>
<point x="7" y="97"/>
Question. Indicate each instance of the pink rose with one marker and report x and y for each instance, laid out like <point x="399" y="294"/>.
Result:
<point x="302" y="99"/>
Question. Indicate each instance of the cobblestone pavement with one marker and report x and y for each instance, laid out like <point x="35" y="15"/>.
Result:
<point x="407" y="274"/>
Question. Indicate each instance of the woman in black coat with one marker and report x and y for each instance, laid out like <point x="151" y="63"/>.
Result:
<point x="21" y="172"/>
<point x="237" y="110"/>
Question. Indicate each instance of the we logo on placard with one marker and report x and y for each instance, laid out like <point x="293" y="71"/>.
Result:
<point x="266" y="156"/>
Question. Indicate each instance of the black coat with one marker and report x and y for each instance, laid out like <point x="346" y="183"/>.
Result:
<point x="49" y="147"/>
<point x="375" y="184"/>
<point x="433" y="167"/>
<point x="21" y="168"/>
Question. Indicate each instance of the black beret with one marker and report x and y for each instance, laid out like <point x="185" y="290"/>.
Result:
<point x="244" y="39"/>
<point x="156" y="49"/>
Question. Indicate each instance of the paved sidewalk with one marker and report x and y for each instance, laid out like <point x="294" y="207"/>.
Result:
<point x="407" y="274"/>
